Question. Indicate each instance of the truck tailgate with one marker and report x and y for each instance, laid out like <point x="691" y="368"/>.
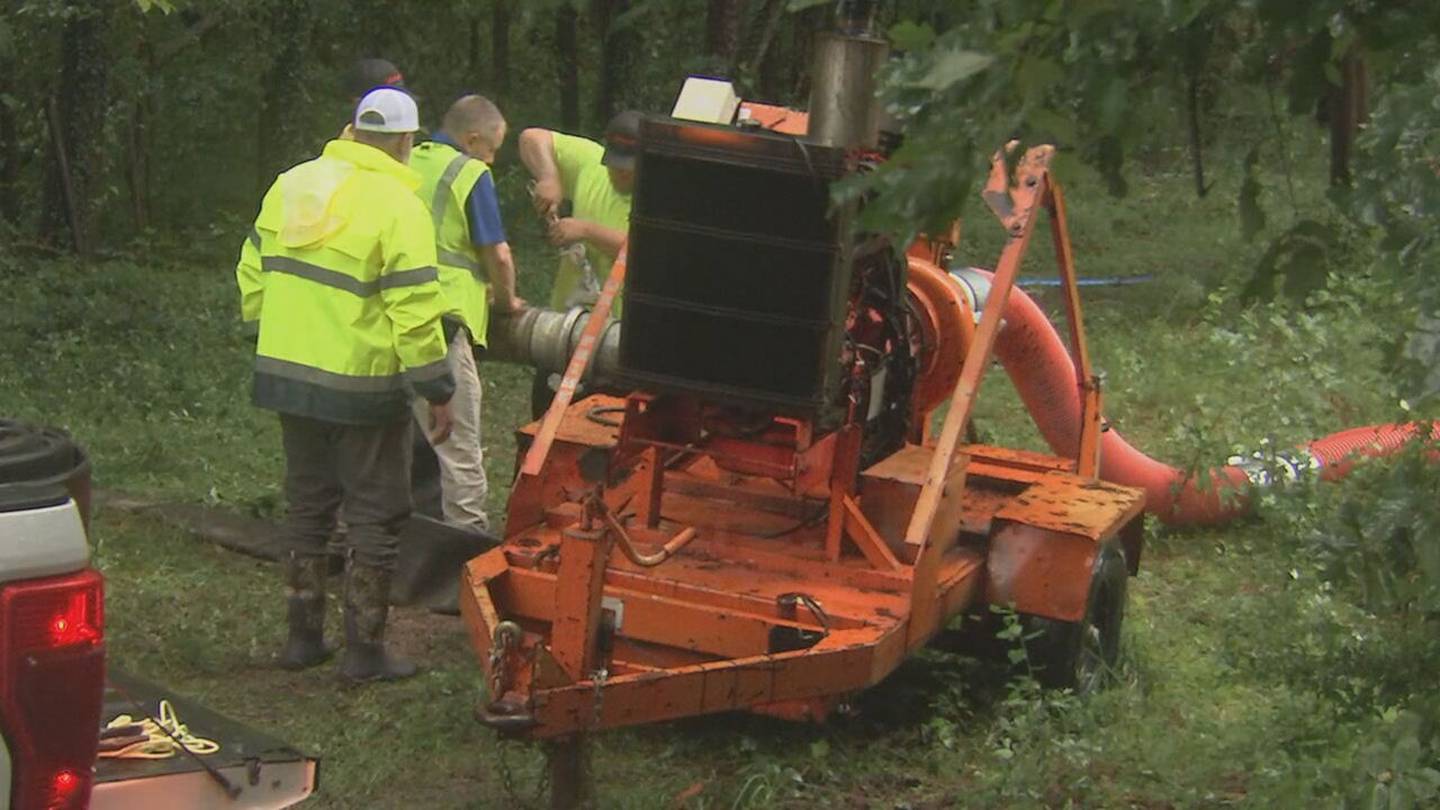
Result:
<point x="251" y="769"/>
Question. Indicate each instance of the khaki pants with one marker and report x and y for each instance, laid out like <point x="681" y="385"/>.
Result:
<point x="364" y="467"/>
<point x="463" y="486"/>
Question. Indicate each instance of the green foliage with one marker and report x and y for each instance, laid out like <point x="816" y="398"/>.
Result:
<point x="1252" y="216"/>
<point x="1397" y="766"/>
<point x="1399" y="190"/>
<point x="1075" y="74"/>
<point x="1297" y="262"/>
<point x="1096" y="78"/>
<point x="1378" y="536"/>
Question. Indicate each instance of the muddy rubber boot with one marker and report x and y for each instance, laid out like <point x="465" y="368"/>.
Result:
<point x="367" y="605"/>
<point x="305" y="612"/>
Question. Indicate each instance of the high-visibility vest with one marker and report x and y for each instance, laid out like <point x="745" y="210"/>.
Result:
<point x="340" y="273"/>
<point x="447" y="176"/>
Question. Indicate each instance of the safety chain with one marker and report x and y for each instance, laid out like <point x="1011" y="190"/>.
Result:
<point x="507" y="779"/>
<point x="599" y="677"/>
<point x="503" y="641"/>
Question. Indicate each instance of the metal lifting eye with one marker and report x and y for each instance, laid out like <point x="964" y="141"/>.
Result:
<point x="789" y="601"/>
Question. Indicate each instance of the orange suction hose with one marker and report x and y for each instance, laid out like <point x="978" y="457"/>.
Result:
<point x="1038" y="362"/>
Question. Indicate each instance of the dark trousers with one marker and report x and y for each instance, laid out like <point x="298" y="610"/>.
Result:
<point x="541" y="394"/>
<point x="365" y="468"/>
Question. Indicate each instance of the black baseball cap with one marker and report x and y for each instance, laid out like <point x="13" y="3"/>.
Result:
<point x="367" y="74"/>
<point x="622" y="140"/>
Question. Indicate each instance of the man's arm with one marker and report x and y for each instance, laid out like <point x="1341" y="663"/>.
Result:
<point x="537" y="152"/>
<point x="500" y="264"/>
<point x="487" y="233"/>
<point x="570" y="230"/>
<point x="248" y="277"/>
<point x="249" y="271"/>
<point x="410" y="290"/>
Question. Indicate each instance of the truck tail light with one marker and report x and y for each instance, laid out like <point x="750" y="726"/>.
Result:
<point x="52" y="681"/>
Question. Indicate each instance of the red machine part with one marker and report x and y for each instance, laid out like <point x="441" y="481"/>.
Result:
<point x="52" y="674"/>
<point x="947" y="329"/>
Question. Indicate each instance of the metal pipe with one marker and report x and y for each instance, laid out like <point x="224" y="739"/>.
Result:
<point x="627" y="545"/>
<point x="844" y="109"/>
<point x="856" y="17"/>
<point x="545" y="339"/>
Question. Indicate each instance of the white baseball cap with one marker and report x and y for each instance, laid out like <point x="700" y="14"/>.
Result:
<point x="387" y="109"/>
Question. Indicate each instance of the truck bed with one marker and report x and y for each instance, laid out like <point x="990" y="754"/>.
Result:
<point x="251" y="769"/>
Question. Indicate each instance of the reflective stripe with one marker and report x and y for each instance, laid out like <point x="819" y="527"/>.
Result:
<point x="440" y="205"/>
<point x="341" y="281"/>
<point x="441" y="201"/>
<point x="319" y="275"/>
<point x="429" y="371"/>
<point x="255" y="237"/>
<point x="409" y="278"/>
<point x="453" y="259"/>
<point x="327" y="379"/>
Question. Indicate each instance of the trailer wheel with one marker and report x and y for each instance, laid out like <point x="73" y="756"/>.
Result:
<point x="1082" y="655"/>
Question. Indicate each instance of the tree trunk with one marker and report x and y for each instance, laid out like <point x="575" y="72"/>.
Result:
<point x="10" y="159"/>
<point x="806" y="24"/>
<point x="1197" y="158"/>
<point x="137" y="148"/>
<point x="137" y="164"/>
<point x="615" y="49"/>
<point x="752" y="69"/>
<point x="277" y="136"/>
<point x="9" y="155"/>
<point x="568" y="63"/>
<point x="722" y="33"/>
<point x="472" y="72"/>
<point x="500" y="48"/>
<point x="77" y="120"/>
<point x="1349" y="108"/>
<point x="68" y="200"/>
<point x="1196" y="42"/>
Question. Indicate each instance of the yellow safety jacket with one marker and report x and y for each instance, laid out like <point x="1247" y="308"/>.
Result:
<point x="339" y="270"/>
<point x="447" y="176"/>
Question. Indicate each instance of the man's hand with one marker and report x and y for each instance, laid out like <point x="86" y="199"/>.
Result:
<point x="546" y="195"/>
<point x="509" y="306"/>
<point x="568" y="231"/>
<point x="441" y="422"/>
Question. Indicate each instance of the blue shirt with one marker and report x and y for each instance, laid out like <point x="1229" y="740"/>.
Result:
<point x="482" y="208"/>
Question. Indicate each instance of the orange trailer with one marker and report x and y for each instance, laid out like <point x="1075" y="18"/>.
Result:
<point x="667" y="554"/>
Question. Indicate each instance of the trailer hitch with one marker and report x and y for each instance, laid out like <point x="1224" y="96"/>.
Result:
<point x="503" y="712"/>
<point x="506" y="717"/>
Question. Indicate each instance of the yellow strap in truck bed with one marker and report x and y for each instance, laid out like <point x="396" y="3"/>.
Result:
<point x="156" y="742"/>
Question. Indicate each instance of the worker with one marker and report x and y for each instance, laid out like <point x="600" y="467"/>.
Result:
<point x="456" y="184"/>
<point x="365" y="75"/>
<point x="339" y="272"/>
<point x="597" y="180"/>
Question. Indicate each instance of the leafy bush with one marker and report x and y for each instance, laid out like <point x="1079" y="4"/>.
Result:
<point x="1377" y="536"/>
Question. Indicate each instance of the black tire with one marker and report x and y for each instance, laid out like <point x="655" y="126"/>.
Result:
<point x="1082" y="655"/>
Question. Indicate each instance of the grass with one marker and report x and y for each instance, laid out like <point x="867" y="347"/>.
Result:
<point x="1230" y="692"/>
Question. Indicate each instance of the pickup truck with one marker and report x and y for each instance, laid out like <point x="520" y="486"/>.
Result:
<point x="55" y="691"/>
